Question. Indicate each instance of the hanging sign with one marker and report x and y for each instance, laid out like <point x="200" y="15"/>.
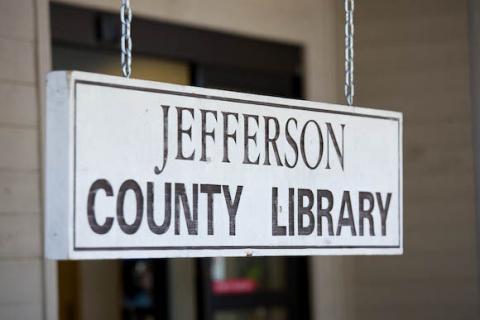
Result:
<point x="144" y="169"/>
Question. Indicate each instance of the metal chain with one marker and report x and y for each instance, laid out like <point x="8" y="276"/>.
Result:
<point x="349" y="29"/>
<point x="126" y="39"/>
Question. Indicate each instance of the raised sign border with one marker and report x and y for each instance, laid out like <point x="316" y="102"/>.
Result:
<point x="242" y="101"/>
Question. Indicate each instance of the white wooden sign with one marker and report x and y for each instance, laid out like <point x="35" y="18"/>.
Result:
<point x="145" y="169"/>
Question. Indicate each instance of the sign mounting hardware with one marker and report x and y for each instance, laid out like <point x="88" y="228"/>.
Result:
<point x="126" y="38"/>
<point x="349" y="31"/>
<point x="140" y="169"/>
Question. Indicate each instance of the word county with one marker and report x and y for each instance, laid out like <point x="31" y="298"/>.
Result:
<point x="307" y="209"/>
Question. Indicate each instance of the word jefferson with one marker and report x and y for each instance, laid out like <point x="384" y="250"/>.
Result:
<point x="263" y="140"/>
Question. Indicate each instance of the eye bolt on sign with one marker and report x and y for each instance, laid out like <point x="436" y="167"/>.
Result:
<point x="139" y="169"/>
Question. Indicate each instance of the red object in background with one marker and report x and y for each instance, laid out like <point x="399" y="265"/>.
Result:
<point x="234" y="286"/>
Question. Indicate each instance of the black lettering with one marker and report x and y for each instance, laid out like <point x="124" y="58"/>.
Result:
<point x="92" y="220"/>
<point x="181" y="131"/>
<point x="366" y="213"/>
<point x="124" y="188"/>
<point x="247" y="138"/>
<point x="232" y="207"/>
<point x="206" y="133"/>
<point x="291" y="142"/>
<point x="227" y="135"/>
<point x="302" y="144"/>
<point x="305" y="210"/>
<point x="158" y="170"/>
<point x="154" y="227"/>
<point x="210" y="190"/>
<point x="331" y="134"/>
<point x="291" y="211"/>
<point x="384" y="210"/>
<point x="324" y="212"/>
<point x="348" y="221"/>
<point x="276" y="229"/>
<point x="191" y="219"/>
<point x="271" y="141"/>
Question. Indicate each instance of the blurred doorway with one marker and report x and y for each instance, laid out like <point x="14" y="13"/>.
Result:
<point x="132" y="289"/>
<point x="219" y="288"/>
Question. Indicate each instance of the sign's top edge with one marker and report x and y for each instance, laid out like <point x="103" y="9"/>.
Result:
<point x="72" y="75"/>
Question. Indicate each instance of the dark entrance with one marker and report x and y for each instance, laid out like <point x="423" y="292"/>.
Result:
<point x="219" y="288"/>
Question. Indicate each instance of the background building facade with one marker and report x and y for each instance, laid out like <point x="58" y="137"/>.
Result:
<point x="411" y="56"/>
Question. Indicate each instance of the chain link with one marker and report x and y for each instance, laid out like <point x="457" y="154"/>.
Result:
<point x="349" y="30"/>
<point x="126" y="39"/>
<point x="126" y="45"/>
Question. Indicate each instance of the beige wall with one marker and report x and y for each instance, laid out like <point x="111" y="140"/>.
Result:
<point x="23" y="273"/>
<point x="411" y="56"/>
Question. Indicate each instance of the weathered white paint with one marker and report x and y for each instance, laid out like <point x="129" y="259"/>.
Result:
<point x="111" y="129"/>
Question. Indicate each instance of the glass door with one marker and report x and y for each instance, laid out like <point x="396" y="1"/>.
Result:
<point x="130" y="289"/>
<point x="217" y="288"/>
<point x="252" y="288"/>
